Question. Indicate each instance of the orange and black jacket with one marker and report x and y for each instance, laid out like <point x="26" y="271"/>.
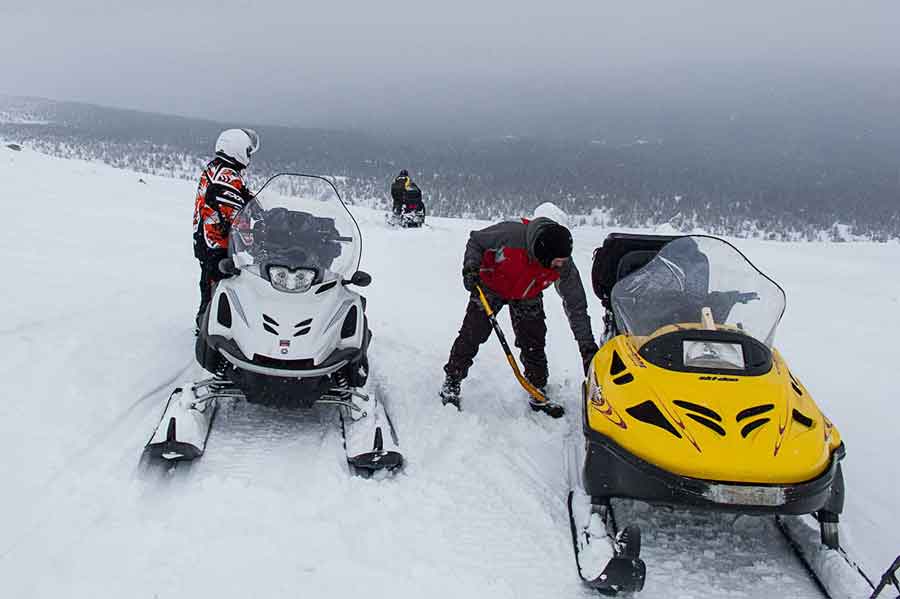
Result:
<point x="220" y="195"/>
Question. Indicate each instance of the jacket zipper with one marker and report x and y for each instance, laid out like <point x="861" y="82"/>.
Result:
<point x="527" y="289"/>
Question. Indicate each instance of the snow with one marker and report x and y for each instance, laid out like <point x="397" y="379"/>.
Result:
<point x="96" y="326"/>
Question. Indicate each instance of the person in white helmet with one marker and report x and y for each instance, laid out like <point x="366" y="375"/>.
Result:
<point x="220" y="195"/>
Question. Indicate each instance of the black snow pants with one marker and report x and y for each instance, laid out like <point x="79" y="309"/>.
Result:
<point x="209" y="276"/>
<point x="530" y="329"/>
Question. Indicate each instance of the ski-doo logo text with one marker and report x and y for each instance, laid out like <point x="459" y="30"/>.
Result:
<point x="726" y="379"/>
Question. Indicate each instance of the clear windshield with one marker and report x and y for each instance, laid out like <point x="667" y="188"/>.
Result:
<point x="296" y="222"/>
<point x="699" y="282"/>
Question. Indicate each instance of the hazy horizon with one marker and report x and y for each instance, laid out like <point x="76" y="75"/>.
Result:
<point x="469" y="69"/>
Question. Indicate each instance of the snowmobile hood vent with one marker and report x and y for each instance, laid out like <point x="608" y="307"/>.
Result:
<point x="702" y="415"/>
<point x="326" y="287"/>
<point x="223" y="313"/>
<point x="616" y="364"/>
<point x="752" y="426"/>
<point x="649" y="413"/>
<point x="269" y="324"/>
<point x="707" y="423"/>
<point x="348" y="329"/>
<point x="702" y="410"/>
<point x="754" y="411"/>
<point x="624" y="379"/>
<point x="802" y="418"/>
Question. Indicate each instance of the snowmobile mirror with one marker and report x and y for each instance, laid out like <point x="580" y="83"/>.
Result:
<point x="359" y="278"/>
<point x="227" y="267"/>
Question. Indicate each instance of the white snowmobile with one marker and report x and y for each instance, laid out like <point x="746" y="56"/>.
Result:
<point x="284" y="329"/>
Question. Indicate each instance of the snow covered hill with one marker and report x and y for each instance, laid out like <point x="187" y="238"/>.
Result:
<point x="96" y="327"/>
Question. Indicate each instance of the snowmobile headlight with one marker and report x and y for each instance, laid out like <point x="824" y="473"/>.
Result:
<point x="708" y="354"/>
<point x="291" y="281"/>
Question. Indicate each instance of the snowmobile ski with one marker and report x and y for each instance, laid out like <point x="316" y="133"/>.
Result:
<point x="369" y="436"/>
<point x="832" y="569"/>
<point x="888" y="578"/>
<point x="186" y="422"/>
<point x="608" y="561"/>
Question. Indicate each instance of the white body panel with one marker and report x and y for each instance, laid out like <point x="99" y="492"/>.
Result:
<point x="286" y="326"/>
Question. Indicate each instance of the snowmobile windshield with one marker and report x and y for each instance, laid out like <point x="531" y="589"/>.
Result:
<point x="296" y="231"/>
<point x="698" y="282"/>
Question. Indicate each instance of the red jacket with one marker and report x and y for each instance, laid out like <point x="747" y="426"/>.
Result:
<point x="514" y="275"/>
<point x="504" y="255"/>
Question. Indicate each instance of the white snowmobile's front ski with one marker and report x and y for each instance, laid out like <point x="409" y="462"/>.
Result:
<point x="184" y="428"/>
<point x="608" y="560"/>
<point x="369" y="436"/>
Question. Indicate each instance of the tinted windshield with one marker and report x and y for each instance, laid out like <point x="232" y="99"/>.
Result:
<point x="296" y="221"/>
<point x="699" y="282"/>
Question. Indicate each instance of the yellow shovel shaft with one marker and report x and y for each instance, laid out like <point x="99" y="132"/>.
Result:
<point x="531" y="389"/>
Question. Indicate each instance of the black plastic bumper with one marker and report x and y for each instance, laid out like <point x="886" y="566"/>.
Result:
<point x="611" y="471"/>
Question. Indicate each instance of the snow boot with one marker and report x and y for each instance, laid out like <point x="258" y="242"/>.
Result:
<point x="450" y="392"/>
<point x="550" y="408"/>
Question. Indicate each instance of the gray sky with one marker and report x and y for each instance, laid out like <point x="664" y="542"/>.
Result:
<point x="456" y="65"/>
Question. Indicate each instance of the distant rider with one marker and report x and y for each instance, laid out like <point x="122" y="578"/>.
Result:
<point x="220" y="195"/>
<point x="403" y="191"/>
<point x="514" y="262"/>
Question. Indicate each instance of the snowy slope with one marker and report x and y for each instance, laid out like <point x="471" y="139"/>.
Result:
<point x="96" y="328"/>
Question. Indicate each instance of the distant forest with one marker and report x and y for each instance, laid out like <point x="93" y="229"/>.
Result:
<point x="731" y="175"/>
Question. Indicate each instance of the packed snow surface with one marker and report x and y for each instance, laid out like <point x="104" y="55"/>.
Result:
<point x="96" y="324"/>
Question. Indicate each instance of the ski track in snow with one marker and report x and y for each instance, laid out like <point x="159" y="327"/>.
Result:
<point x="96" y="329"/>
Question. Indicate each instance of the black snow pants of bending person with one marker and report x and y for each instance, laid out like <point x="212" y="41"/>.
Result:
<point x="529" y="327"/>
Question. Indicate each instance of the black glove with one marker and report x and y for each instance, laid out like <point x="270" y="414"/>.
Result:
<point x="471" y="278"/>
<point x="588" y="349"/>
<point x="226" y="268"/>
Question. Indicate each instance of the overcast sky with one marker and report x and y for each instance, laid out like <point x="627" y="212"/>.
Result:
<point x="454" y="65"/>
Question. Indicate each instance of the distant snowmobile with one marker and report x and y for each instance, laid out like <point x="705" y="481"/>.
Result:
<point x="408" y="209"/>
<point x="688" y="403"/>
<point x="411" y="215"/>
<point x="284" y="328"/>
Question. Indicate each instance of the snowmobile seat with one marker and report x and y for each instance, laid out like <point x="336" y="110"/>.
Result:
<point x="632" y="261"/>
<point x="620" y="255"/>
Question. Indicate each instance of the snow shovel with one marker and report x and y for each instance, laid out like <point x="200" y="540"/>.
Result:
<point x="539" y="401"/>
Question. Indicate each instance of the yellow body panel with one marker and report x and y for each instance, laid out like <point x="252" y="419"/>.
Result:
<point x="786" y="449"/>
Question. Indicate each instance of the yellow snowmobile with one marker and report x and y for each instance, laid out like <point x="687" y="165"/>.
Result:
<point x="688" y="403"/>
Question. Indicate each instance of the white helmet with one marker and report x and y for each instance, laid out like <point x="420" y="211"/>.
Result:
<point x="237" y="145"/>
